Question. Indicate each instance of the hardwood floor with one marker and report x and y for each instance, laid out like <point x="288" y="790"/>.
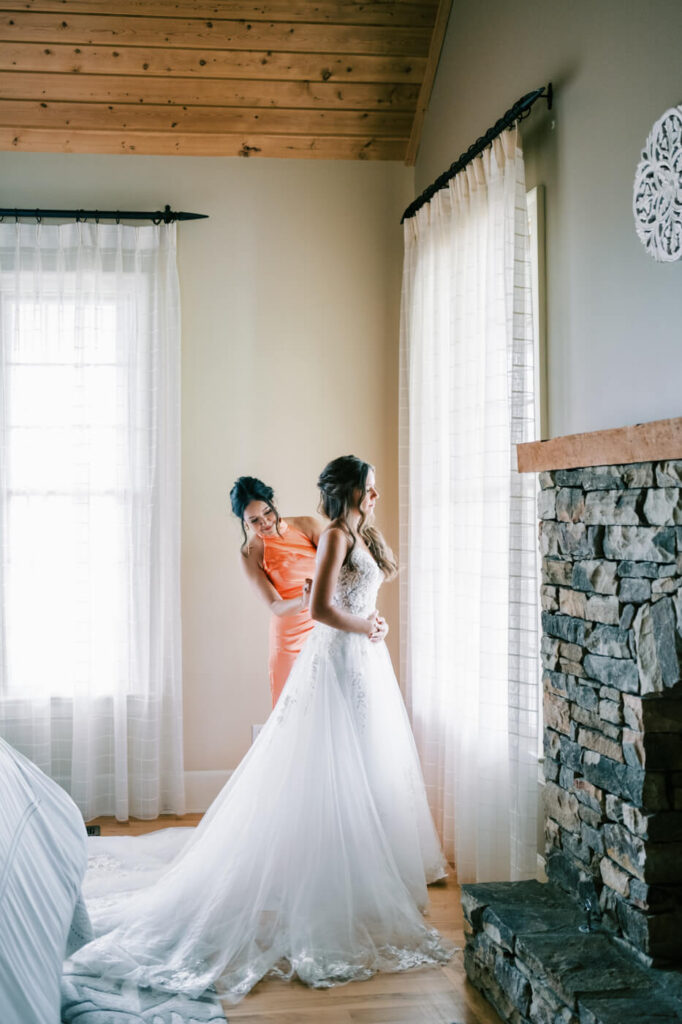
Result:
<point x="436" y="995"/>
<point x="135" y="827"/>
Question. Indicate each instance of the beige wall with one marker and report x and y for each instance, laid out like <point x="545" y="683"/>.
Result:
<point x="290" y="296"/>
<point x="614" y="314"/>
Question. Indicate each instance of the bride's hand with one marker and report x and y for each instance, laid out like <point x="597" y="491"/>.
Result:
<point x="380" y="630"/>
<point x="372" y="624"/>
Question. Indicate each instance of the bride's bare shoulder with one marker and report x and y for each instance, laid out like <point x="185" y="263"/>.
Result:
<point x="335" y="537"/>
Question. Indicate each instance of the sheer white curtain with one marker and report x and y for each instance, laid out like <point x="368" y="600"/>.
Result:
<point x="469" y="588"/>
<point x="90" y="664"/>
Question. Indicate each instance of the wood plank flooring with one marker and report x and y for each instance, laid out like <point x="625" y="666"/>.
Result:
<point x="436" y="995"/>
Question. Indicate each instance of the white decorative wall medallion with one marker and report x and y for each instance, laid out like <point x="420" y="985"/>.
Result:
<point x="657" y="200"/>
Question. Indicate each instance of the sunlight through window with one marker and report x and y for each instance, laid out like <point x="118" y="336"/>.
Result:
<point x="68" y="493"/>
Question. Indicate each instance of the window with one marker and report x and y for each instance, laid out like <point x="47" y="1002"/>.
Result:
<point x="66" y="390"/>
<point x="536" y="223"/>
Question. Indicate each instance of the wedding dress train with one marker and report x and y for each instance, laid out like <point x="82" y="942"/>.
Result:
<point x="314" y="858"/>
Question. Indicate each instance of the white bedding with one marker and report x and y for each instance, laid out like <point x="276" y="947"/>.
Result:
<point x="42" y="862"/>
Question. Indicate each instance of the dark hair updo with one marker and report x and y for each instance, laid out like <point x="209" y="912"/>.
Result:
<point x="337" y="482"/>
<point x="245" y="490"/>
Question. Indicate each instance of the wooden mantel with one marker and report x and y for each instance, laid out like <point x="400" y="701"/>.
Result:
<point x="644" y="442"/>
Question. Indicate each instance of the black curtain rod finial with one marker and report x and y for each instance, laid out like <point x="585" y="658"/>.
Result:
<point x="516" y="113"/>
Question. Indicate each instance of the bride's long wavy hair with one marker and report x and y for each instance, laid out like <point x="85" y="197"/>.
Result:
<point x="245" y="490"/>
<point x="337" y="482"/>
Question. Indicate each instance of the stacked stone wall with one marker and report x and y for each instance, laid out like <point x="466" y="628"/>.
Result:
<point x="611" y="541"/>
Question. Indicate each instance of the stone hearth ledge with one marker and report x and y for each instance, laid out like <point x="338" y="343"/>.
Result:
<point x="644" y="442"/>
<point x="527" y="955"/>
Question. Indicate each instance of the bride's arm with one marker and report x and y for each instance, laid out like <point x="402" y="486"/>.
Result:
<point x="331" y="551"/>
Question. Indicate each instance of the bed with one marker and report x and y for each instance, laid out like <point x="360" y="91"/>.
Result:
<point x="42" y="916"/>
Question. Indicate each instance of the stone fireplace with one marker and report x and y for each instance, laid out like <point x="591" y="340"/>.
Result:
<point x="589" y="946"/>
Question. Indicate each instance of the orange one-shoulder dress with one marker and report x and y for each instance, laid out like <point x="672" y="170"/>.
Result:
<point x="288" y="560"/>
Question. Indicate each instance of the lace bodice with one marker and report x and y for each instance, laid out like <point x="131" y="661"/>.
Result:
<point x="358" y="583"/>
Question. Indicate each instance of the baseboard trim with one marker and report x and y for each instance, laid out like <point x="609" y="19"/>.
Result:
<point x="202" y="787"/>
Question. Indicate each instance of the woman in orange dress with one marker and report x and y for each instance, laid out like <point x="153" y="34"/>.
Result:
<point x="279" y="557"/>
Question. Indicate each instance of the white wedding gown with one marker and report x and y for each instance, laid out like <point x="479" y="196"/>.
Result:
<point x="312" y="861"/>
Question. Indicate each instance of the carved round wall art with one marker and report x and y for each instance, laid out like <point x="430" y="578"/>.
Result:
<point x="657" y="200"/>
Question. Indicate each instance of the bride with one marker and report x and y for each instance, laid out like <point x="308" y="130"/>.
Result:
<point x="314" y="859"/>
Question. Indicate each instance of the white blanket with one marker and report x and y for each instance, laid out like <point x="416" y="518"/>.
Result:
<point x="42" y="863"/>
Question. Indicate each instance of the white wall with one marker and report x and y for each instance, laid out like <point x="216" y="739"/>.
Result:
<point x="290" y="299"/>
<point x="614" y="314"/>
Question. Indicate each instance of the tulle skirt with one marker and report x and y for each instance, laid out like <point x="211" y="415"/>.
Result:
<point x="312" y="861"/>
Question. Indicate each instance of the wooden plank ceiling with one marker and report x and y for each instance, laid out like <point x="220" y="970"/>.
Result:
<point x="331" y="79"/>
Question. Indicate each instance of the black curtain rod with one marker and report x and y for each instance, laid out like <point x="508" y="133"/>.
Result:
<point x="165" y="216"/>
<point x="520" y="110"/>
